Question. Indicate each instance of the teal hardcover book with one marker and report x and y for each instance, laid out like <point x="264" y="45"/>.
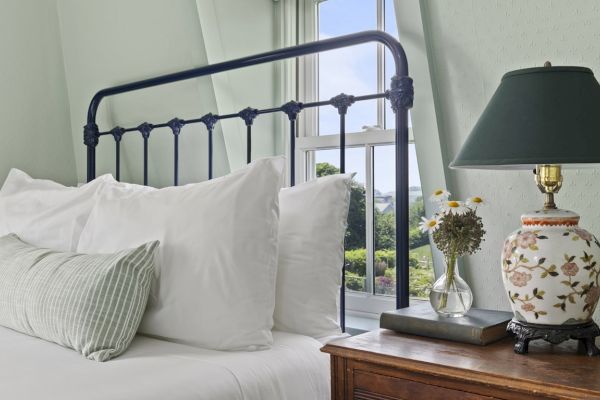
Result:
<point x="478" y="326"/>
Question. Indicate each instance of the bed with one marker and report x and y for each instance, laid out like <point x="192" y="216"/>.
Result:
<point x="293" y="367"/>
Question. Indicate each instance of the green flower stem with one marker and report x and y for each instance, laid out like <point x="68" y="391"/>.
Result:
<point x="450" y="265"/>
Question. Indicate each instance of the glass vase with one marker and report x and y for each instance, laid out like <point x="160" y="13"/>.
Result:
<point x="450" y="295"/>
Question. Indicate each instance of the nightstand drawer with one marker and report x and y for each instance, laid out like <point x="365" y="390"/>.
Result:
<point x="370" y="385"/>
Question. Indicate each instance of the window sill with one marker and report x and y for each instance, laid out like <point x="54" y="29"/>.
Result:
<point x="361" y="322"/>
<point x="355" y="325"/>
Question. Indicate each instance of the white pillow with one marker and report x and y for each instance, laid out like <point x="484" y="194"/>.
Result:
<point x="217" y="258"/>
<point x="312" y="225"/>
<point x="45" y="213"/>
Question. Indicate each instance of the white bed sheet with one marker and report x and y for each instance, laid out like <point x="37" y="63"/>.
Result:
<point x="293" y="368"/>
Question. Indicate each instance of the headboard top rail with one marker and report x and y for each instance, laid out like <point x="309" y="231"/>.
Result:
<point x="280" y="54"/>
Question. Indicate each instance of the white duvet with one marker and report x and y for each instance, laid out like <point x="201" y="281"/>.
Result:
<point x="293" y="368"/>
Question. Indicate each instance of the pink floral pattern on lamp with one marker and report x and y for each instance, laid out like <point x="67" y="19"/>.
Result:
<point x="550" y="269"/>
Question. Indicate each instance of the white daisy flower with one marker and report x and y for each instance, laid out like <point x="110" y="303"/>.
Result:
<point x="475" y="202"/>
<point x="429" y="225"/>
<point x="440" y="195"/>
<point x="454" y="206"/>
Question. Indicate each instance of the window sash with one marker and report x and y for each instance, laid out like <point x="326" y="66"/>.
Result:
<point x="310" y="141"/>
<point x="306" y="146"/>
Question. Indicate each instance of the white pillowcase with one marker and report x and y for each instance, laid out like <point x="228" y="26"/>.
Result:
<point x="45" y="213"/>
<point x="217" y="258"/>
<point x="312" y="226"/>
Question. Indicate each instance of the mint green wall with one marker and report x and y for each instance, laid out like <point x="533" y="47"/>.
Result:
<point x="58" y="53"/>
<point x="34" y="113"/>
<point x="106" y="43"/>
<point x="472" y="44"/>
<point x="109" y="42"/>
<point x="233" y="29"/>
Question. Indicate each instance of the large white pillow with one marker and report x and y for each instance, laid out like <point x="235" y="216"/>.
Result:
<point x="217" y="258"/>
<point x="45" y="213"/>
<point x="312" y="225"/>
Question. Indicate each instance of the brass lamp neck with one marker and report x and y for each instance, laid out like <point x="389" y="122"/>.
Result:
<point x="549" y="180"/>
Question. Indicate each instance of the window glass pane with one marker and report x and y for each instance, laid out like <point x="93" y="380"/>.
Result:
<point x="421" y="265"/>
<point x="342" y="17"/>
<point x="327" y="163"/>
<point x="351" y="70"/>
<point x="390" y="18"/>
<point x="392" y="29"/>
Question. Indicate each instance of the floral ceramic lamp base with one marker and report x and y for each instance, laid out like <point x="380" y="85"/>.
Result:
<point x="525" y="332"/>
<point x="551" y="271"/>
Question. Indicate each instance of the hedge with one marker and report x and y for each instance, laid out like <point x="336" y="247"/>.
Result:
<point x="421" y="280"/>
<point x="384" y="259"/>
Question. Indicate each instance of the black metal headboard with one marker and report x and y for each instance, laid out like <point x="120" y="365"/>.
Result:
<point x="400" y="95"/>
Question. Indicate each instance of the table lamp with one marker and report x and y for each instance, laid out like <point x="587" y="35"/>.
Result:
<point x="543" y="119"/>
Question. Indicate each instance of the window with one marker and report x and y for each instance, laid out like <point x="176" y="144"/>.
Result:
<point x="359" y="70"/>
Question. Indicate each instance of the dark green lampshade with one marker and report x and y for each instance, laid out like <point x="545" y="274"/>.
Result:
<point x="546" y="115"/>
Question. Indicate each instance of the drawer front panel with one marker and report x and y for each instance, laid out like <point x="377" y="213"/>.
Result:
<point x="370" y="386"/>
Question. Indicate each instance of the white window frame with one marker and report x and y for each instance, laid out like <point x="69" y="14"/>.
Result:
<point x="298" y="24"/>
<point x="358" y="303"/>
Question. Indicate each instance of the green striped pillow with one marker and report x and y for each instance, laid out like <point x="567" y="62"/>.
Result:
<point x="90" y="303"/>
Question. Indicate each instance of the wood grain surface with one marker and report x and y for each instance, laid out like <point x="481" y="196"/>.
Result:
<point x="386" y="365"/>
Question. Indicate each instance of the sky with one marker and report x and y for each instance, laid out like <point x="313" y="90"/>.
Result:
<point x="353" y="71"/>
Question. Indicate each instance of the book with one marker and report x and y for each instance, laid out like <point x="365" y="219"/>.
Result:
<point x="478" y="326"/>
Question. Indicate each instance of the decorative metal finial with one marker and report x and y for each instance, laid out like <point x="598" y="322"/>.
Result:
<point x="547" y="64"/>
<point x="248" y="114"/>
<point x="176" y="124"/>
<point x="209" y="120"/>
<point x="117" y="133"/>
<point x="342" y="101"/>
<point x="145" y="129"/>
<point x="291" y="109"/>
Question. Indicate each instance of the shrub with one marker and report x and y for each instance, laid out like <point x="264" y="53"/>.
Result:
<point x="421" y="280"/>
<point x="355" y="282"/>
<point x="416" y="238"/>
<point x="356" y="261"/>
<point x="384" y="259"/>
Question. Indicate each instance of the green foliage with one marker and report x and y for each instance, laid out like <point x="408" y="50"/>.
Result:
<point x="324" y="169"/>
<point x="385" y="224"/>
<point x="420" y="282"/>
<point x="384" y="259"/>
<point x="415" y="212"/>
<point x="385" y="230"/>
<point x="356" y="232"/>
<point x="421" y="277"/>
<point x="416" y="238"/>
<point x="423" y="252"/>
<point x="356" y="261"/>
<point x="355" y="282"/>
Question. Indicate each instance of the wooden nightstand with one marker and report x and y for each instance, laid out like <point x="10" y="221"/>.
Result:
<point x="386" y="365"/>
